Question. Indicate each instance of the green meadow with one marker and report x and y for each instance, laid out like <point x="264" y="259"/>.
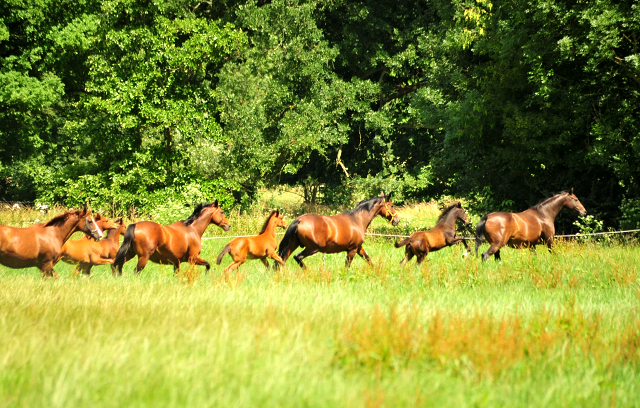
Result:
<point x="545" y="329"/>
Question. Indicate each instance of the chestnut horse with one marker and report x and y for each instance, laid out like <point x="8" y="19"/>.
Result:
<point x="170" y="244"/>
<point x="85" y="253"/>
<point x="420" y="243"/>
<point x="525" y="229"/>
<point x="261" y="247"/>
<point x="39" y="245"/>
<point x="335" y="233"/>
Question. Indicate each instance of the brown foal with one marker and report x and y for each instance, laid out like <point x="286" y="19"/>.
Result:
<point x="420" y="243"/>
<point x="85" y="253"/>
<point x="261" y="247"/>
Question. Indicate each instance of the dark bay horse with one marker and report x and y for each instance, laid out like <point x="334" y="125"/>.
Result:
<point x="40" y="244"/>
<point x="335" y="233"/>
<point x="85" y="253"/>
<point x="261" y="247"/>
<point x="420" y="243"/>
<point x="170" y="244"/>
<point x="525" y="229"/>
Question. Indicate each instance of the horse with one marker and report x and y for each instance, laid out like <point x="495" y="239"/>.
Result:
<point x="170" y="244"/>
<point x="40" y="244"/>
<point x="261" y="247"/>
<point x="525" y="229"/>
<point x="85" y="253"/>
<point x="420" y="243"/>
<point x="336" y="233"/>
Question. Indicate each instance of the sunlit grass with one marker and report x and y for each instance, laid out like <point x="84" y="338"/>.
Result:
<point x="544" y="329"/>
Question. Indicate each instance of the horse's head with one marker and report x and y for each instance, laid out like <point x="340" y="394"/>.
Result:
<point x="279" y="220"/>
<point x="103" y="223"/>
<point x="89" y="226"/>
<point x="121" y="227"/>
<point x="572" y="203"/>
<point x="461" y="214"/>
<point x="387" y="211"/>
<point x="218" y="218"/>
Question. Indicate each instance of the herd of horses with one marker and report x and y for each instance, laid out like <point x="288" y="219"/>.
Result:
<point x="43" y="245"/>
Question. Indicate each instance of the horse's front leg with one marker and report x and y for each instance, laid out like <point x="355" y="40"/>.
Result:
<point x="198" y="260"/>
<point x="364" y="255"/>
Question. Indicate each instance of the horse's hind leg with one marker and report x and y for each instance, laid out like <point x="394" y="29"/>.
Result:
<point x="303" y="254"/>
<point x="493" y="250"/>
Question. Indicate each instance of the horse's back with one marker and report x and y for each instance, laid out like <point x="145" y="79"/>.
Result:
<point x="21" y="247"/>
<point x="330" y="233"/>
<point x="514" y="229"/>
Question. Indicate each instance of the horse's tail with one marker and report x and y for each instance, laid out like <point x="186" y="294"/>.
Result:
<point x="291" y="232"/>
<point x="126" y="245"/>
<point x="480" y="238"/>
<point x="403" y="242"/>
<point x="221" y="255"/>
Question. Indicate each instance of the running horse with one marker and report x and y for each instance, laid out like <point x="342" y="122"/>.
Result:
<point x="261" y="247"/>
<point x="420" y="243"/>
<point x="336" y="233"/>
<point x="85" y="253"/>
<point x="40" y="244"/>
<point x="170" y="244"/>
<point x="525" y="229"/>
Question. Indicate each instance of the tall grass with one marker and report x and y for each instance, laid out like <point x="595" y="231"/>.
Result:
<point x="545" y="329"/>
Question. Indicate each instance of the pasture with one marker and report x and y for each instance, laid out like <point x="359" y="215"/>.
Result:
<point x="559" y="329"/>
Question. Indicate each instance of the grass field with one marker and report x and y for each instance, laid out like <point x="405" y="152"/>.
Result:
<point x="560" y="329"/>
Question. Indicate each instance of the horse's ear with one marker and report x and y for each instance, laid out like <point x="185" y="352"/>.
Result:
<point x="389" y="196"/>
<point x="571" y="191"/>
<point x="215" y="203"/>
<point x="119" y="221"/>
<point x="458" y="204"/>
<point x="382" y="194"/>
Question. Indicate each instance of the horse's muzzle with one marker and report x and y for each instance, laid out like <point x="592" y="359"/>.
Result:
<point x="226" y="227"/>
<point x="395" y="222"/>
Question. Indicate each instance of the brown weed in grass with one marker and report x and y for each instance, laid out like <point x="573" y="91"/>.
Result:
<point x="189" y="275"/>
<point x="391" y="341"/>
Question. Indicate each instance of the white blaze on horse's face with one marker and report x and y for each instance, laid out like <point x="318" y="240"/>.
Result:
<point x="97" y="231"/>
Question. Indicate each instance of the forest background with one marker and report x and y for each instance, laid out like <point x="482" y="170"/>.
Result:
<point x="125" y="104"/>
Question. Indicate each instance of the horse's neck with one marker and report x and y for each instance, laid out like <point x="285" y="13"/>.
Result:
<point x="270" y="231"/>
<point x="366" y="217"/>
<point x="450" y="220"/>
<point x="552" y="207"/>
<point x="201" y="224"/>
<point x="113" y="236"/>
<point x="66" y="230"/>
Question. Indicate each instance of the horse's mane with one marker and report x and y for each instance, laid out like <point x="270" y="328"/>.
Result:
<point x="266" y="223"/>
<point x="196" y="213"/>
<point x="61" y="219"/>
<point x="446" y="211"/>
<point x="364" y="205"/>
<point x="546" y="200"/>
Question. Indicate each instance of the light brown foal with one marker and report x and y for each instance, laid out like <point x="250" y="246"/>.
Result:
<point x="262" y="246"/>
<point x="170" y="244"/>
<point x="525" y="229"/>
<point x="420" y="243"/>
<point x="85" y="253"/>
<point x="39" y="245"/>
